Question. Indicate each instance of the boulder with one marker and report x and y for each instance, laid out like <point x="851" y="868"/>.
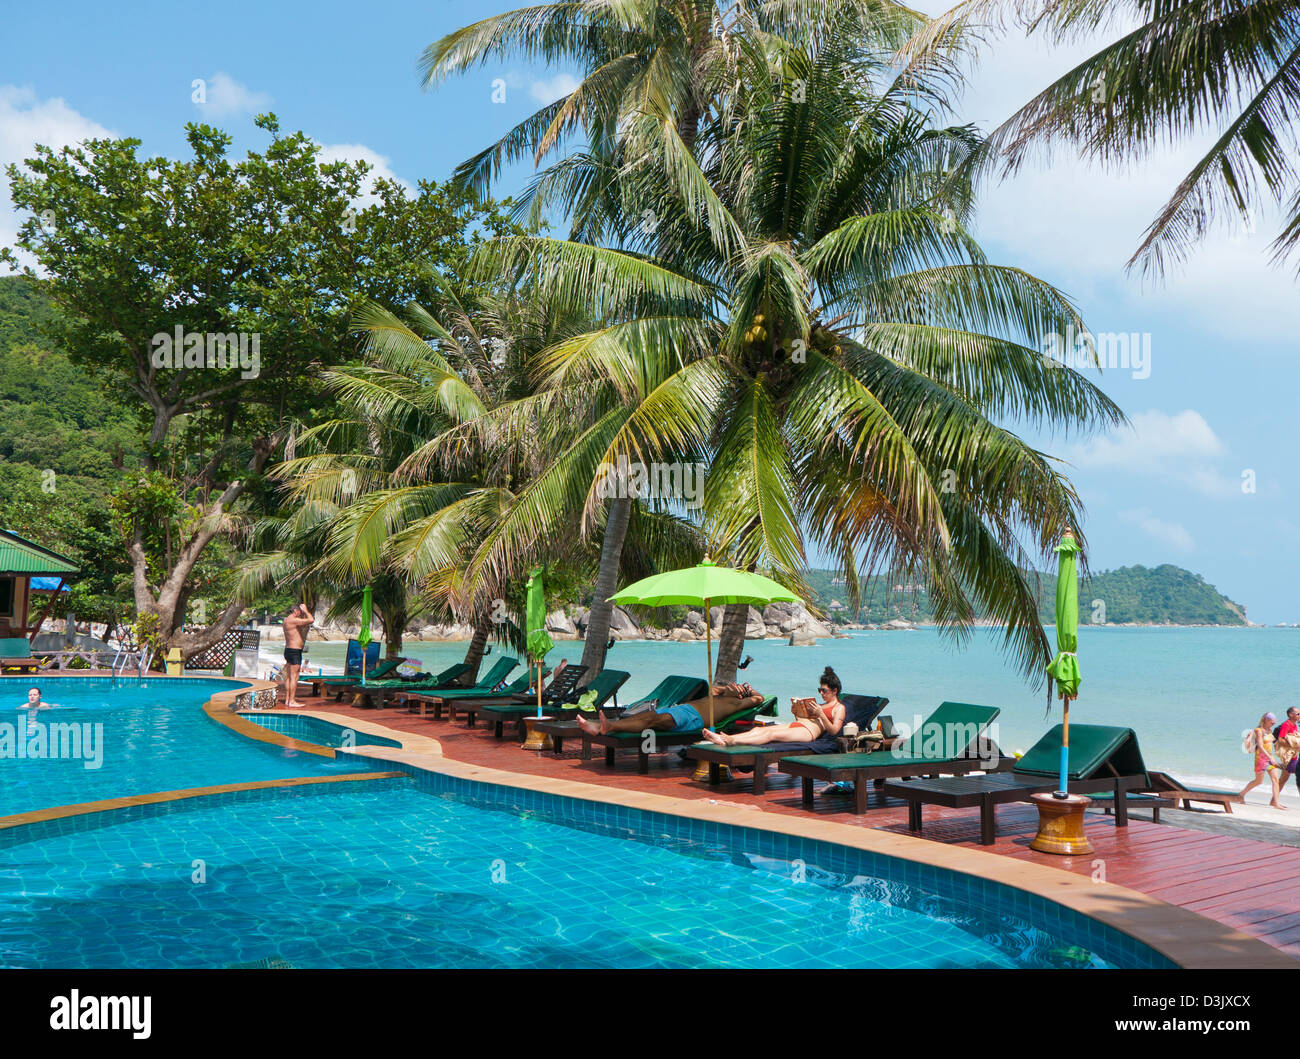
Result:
<point x="559" y="625"/>
<point x="682" y="636"/>
<point x="800" y="638"/>
<point x="622" y="627"/>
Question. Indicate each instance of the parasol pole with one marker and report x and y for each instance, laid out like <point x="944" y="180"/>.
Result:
<point x="1065" y="748"/>
<point x="539" y="687"/>
<point x="708" y="646"/>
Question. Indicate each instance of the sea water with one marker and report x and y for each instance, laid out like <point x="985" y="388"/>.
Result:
<point x="1189" y="693"/>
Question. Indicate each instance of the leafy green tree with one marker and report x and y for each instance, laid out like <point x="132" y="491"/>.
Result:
<point x="271" y="251"/>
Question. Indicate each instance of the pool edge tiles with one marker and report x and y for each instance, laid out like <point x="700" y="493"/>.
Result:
<point x="40" y="824"/>
<point x="1186" y="938"/>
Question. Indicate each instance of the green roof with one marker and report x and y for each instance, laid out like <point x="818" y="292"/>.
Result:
<point x="21" y="556"/>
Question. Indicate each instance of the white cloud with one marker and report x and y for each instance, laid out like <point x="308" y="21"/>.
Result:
<point x="222" y="96"/>
<point x="1172" y="534"/>
<point x="549" y="91"/>
<point x="26" y="121"/>
<point x="1155" y="441"/>
<point x="380" y="166"/>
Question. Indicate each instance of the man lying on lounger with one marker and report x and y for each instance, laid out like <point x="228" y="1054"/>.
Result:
<point x="684" y="717"/>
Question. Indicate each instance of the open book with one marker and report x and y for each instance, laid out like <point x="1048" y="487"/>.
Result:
<point x="809" y="710"/>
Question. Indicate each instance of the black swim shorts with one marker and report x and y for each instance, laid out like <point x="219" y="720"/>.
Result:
<point x="293" y="656"/>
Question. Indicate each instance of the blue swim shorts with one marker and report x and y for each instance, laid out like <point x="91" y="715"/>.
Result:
<point x="685" y="718"/>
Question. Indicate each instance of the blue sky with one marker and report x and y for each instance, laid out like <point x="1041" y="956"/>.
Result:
<point x="1217" y="402"/>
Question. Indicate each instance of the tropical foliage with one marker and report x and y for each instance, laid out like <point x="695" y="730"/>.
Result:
<point x="788" y="294"/>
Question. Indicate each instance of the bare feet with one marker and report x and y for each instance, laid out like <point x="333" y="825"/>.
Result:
<point x="588" y="727"/>
<point x="715" y="737"/>
<point x="1277" y="805"/>
<point x="604" y="724"/>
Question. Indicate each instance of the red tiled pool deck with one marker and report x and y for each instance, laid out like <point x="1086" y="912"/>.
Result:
<point x="1246" y="884"/>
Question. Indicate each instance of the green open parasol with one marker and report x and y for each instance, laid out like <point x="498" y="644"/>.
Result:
<point x="704" y="585"/>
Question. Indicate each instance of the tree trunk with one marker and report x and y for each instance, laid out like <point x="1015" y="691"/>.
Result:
<point x="731" y="642"/>
<point x="611" y="550"/>
<point x="394" y="619"/>
<point x="482" y="627"/>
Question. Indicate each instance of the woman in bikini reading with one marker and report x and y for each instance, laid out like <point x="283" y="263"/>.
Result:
<point x="811" y="719"/>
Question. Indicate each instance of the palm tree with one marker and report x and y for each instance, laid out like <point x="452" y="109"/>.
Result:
<point x="1188" y="67"/>
<point x="809" y="316"/>
<point x="628" y="55"/>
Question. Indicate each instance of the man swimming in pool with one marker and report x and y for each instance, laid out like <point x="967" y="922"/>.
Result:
<point x="34" y="701"/>
<point x="296" y="624"/>
<point x="683" y="717"/>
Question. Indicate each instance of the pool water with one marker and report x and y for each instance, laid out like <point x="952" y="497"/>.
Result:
<point x="385" y="875"/>
<point x="154" y="737"/>
<point x="314" y="730"/>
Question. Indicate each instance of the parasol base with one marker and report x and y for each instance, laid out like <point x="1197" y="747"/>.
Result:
<point x="702" y="773"/>
<point x="536" y="740"/>
<point x="1060" y="825"/>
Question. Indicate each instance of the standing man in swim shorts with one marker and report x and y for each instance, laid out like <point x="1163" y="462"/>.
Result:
<point x="296" y="624"/>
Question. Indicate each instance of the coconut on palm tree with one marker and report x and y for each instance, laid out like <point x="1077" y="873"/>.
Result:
<point x="808" y="315"/>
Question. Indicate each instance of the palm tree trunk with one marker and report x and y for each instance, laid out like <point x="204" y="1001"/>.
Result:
<point x="611" y="550"/>
<point x="482" y="627"/>
<point x="394" y="625"/>
<point x="731" y="642"/>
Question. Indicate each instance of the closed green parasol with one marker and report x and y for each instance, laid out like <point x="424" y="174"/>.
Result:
<point x="538" y="639"/>
<point x="704" y="585"/>
<point x="1064" y="668"/>
<point x="363" y="634"/>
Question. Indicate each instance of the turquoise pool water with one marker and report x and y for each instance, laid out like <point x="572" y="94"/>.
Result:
<point x="397" y="877"/>
<point x="133" y="737"/>
<point x="314" y="730"/>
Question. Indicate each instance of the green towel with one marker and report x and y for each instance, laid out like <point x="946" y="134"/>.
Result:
<point x="586" y="702"/>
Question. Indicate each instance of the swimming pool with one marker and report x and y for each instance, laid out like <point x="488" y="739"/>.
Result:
<point x="439" y="871"/>
<point x="131" y="736"/>
<point x="388" y="874"/>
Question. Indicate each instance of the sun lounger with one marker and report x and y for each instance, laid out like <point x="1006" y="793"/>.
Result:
<point x="563" y="724"/>
<point x="616" y="741"/>
<point x="467" y="702"/>
<point x="1102" y="759"/>
<point x="488" y="685"/>
<point x="950" y="742"/>
<point x="16" y="653"/>
<point x="499" y="712"/>
<point x="858" y="709"/>
<point x="496" y="675"/>
<point x="340" y="682"/>
<point x="448" y="678"/>
<point x="1166" y="786"/>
